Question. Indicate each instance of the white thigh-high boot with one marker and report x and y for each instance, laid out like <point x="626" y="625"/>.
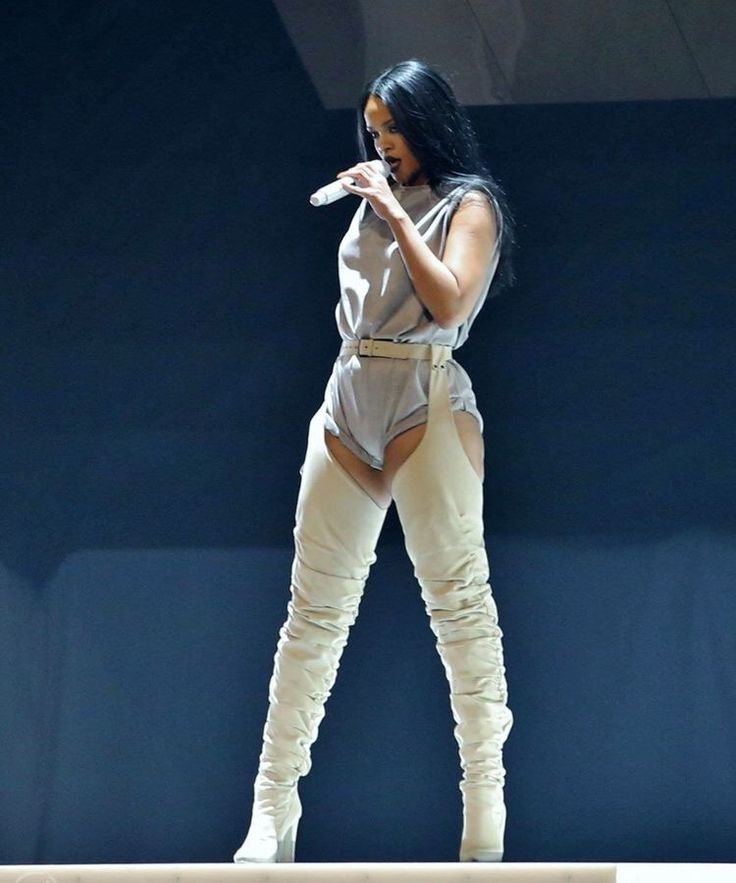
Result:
<point x="439" y="499"/>
<point x="337" y="528"/>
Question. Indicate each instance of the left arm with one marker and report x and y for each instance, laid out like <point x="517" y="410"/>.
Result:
<point x="448" y="287"/>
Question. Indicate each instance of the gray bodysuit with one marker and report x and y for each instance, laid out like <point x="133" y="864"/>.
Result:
<point x="369" y="401"/>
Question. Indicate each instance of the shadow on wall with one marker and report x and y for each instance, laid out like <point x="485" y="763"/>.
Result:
<point x="135" y="689"/>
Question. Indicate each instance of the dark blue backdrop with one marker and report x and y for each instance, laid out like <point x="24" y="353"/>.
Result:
<point x="167" y="332"/>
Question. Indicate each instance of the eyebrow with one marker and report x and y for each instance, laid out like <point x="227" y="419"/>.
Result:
<point x="388" y="122"/>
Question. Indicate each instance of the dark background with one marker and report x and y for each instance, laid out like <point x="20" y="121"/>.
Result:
<point x="167" y="301"/>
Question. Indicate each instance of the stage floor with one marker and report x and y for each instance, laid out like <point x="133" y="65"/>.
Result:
<point x="379" y="872"/>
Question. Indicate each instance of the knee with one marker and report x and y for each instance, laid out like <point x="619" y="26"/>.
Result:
<point x="319" y="597"/>
<point x="463" y="616"/>
<point x="326" y="620"/>
<point x="453" y="578"/>
<point x="329" y="568"/>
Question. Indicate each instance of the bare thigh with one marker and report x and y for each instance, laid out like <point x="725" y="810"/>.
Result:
<point x="377" y="482"/>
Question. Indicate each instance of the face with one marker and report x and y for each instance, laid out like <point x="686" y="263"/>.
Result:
<point x="390" y="144"/>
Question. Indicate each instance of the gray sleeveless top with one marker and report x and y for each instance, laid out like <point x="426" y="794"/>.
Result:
<point x="369" y="401"/>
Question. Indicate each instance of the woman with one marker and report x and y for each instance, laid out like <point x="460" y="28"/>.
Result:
<point x="399" y="423"/>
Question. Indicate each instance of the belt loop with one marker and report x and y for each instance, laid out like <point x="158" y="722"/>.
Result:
<point x="439" y="355"/>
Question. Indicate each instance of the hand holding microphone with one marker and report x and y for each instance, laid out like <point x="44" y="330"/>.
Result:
<point x="334" y="191"/>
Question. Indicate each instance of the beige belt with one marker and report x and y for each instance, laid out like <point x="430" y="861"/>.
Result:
<point x="387" y="349"/>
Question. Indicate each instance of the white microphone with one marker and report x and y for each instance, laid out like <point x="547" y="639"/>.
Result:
<point x="334" y="191"/>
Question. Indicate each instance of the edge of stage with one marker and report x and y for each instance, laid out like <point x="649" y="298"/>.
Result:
<point x="510" y="872"/>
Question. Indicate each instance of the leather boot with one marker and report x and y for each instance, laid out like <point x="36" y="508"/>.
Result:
<point x="337" y="528"/>
<point x="439" y="499"/>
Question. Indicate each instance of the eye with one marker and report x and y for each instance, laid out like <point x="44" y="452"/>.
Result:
<point x="373" y="135"/>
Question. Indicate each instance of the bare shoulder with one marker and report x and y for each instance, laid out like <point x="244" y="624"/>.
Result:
<point x="475" y="214"/>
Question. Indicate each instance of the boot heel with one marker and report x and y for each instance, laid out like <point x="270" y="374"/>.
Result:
<point x="265" y="843"/>
<point x="484" y="822"/>
<point x="287" y="846"/>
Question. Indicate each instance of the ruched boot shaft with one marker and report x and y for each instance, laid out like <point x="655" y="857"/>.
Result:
<point x="337" y="528"/>
<point x="439" y="499"/>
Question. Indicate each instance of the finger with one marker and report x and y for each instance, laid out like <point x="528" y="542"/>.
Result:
<point x="357" y="179"/>
<point x="349" y="173"/>
<point x="361" y="170"/>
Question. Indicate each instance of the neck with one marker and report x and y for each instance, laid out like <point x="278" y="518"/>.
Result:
<point x="414" y="179"/>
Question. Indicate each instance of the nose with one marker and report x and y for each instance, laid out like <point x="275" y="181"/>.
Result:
<point x="383" y="143"/>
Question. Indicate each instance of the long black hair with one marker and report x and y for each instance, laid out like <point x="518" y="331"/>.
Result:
<point x="441" y="137"/>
